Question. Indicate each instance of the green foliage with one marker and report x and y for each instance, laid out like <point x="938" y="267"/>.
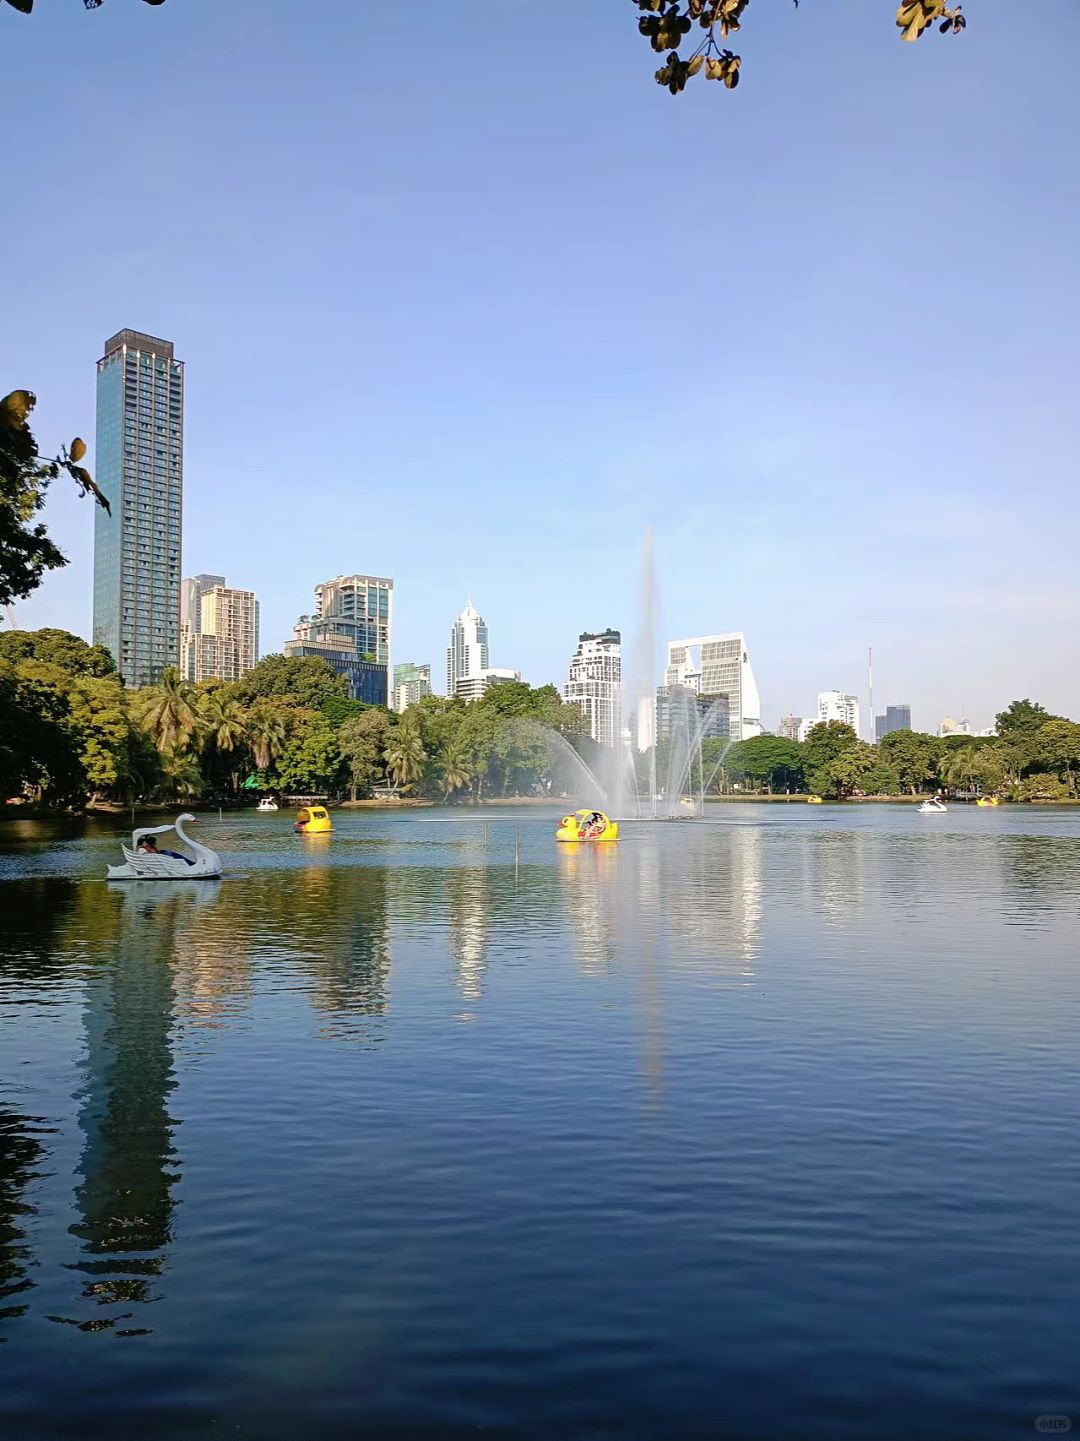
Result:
<point x="769" y="761"/>
<point x="362" y="741"/>
<point x="59" y="648"/>
<point x="338" y="709"/>
<point x="308" y="681"/>
<point x="26" y="552"/>
<point x="1021" y="720"/>
<point x="822" y="746"/>
<point x="169" y="713"/>
<point x="855" y="769"/>
<point x="913" y="756"/>
<point x="310" y="759"/>
<point x="404" y="755"/>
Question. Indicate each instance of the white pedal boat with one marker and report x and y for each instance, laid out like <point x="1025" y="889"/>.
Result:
<point x="153" y="866"/>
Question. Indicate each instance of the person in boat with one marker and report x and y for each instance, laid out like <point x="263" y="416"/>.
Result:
<point x="150" y="846"/>
<point x="594" y="825"/>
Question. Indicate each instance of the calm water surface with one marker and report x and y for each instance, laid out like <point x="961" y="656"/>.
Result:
<point x="761" y="1127"/>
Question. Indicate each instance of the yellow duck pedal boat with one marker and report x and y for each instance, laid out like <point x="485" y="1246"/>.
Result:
<point x="587" y="826"/>
<point x="312" y="821"/>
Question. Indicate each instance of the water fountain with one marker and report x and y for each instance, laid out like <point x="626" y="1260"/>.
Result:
<point x="612" y="779"/>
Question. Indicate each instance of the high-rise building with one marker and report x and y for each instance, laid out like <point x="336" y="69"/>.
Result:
<point x="594" y="684"/>
<point x="789" y="727"/>
<point x="834" y="705"/>
<point x="681" y="711"/>
<point x="352" y="629"/>
<point x="219" y="629"/>
<point x="896" y="718"/>
<point x="140" y="467"/>
<point x="362" y="607"/>
<point x="718" y="667"/>
<point x="410" y="683"/>
<point x="467" y="653"/>
<point x="468" y="673"/>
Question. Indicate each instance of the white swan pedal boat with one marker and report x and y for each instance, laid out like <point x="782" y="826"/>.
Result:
<point x="933" y="807"/>
<point x="267" y="804"/>
<point x="154" y="866"/>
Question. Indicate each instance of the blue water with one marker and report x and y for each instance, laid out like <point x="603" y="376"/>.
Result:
<point x="760" y="1127"/>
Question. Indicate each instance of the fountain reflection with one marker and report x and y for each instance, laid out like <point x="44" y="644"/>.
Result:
<point x="469" y="928"/>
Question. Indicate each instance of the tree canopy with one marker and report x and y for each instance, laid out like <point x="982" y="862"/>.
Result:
<point x="26" y="552"/>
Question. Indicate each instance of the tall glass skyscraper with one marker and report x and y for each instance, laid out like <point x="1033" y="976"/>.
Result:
<point x="140" y="467"/>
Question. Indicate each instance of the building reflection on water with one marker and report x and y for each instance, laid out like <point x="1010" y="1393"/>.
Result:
<point x="129" y="1164"/>
<point x="21" y="1155"/>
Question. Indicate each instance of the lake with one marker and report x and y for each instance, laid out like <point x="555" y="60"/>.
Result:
<point x="759" y="1127"/>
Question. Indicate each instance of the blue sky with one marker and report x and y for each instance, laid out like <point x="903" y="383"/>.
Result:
<point x="469" y="301"/>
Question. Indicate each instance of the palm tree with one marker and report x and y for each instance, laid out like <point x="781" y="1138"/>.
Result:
<point x="453" y="772"/>
<point x="225" y="727"/>
<point x="182" y="775"/>
<point x="405" y="755"/>
<point x="266" y="734"/>
<point x="172" y="719"/>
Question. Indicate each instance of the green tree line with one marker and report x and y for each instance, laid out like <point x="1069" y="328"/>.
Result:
<point x="1033" y="756"/>
<point x="72" y="734"/>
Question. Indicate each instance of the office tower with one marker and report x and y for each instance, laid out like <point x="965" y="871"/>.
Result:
<point x="718" y="667"/>
<point x="410" y="683"/>
<point x="361" y="607"/>
<point x="788" y="728"/>
<point x="219" y="629"/>
<point x="896" y="718"/>
<point x="140" y="468"/>
<point x="834" y="705"/>
<point x="468" y="673"/>
<point x="352" y="629"/>
<point x="594" y="684"/>
<point x="467" y="653"/>
<point x="680" y="710"/>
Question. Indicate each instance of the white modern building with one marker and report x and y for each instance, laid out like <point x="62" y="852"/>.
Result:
<point x="468" y="673"/>
<point x="474" y="686"/>
<point x="718" y="667"/>
<point x="834" y="705"/>
<point x="467" y="653"/>
<point x="219" y="629"/>
<point x="595" y="684"/>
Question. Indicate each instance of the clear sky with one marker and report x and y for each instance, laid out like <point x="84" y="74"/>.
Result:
<point x="468" y="300"/>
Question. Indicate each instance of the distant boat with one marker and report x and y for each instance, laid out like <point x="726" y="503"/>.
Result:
<point x="814" y="801"/>
<point x="932" y="807"/>
<point x="267" y="804"/>
<point x="987" y="801"/>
